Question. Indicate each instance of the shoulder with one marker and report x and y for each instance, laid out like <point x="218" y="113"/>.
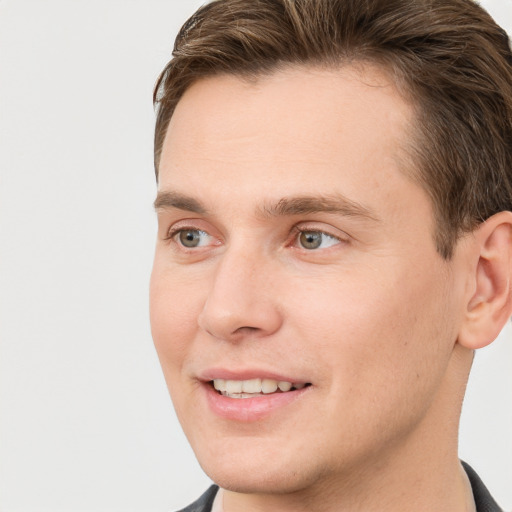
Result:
<point x="204" y="503"/>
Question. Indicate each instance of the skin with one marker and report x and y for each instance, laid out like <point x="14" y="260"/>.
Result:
<point x="373" y="318"/>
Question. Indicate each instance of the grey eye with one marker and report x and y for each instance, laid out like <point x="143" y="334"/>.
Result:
<point x="190" y="237"/>
<point x="311" y="239"/>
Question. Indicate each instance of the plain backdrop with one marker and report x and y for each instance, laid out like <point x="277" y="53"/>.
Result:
<point x="85" y="420"/>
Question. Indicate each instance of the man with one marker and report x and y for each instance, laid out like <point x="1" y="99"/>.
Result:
<point x="334" y="243"/>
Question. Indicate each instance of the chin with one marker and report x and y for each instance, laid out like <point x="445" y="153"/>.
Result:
<point x="248" y="466"/>
<point x="260" y="480"/>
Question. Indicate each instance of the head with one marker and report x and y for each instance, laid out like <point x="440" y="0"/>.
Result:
<point x="334" y="186"/>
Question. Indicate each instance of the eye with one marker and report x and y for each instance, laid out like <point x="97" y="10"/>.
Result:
<point x="191" y="238"/>
<point x="312" y="240"/>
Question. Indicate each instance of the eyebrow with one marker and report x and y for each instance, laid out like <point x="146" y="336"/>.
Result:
<point x="168" y="200"/>
<point x="301" y="205"/>
<point x="286" y="206"/>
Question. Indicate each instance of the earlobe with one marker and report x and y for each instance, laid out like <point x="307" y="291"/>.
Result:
<point x="490" y="304"/>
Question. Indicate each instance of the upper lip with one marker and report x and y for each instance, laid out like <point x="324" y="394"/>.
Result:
<point x="246" y="374"/>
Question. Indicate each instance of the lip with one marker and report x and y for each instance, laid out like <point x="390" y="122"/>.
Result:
<point x="249" y="409"/>
<point x="253" y="409"/>
<point x="220" y="373"/>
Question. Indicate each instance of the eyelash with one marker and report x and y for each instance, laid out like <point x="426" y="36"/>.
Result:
<point x="174" y="232"/>
<point x="296" y="233"/>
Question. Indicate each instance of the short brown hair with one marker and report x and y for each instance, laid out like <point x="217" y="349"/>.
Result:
<point x="448" y="57"/>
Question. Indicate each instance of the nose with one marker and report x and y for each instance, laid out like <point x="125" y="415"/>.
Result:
<point x="241" y="300"/>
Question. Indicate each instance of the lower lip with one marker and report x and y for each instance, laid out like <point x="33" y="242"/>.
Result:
<point x="250" y="409"/>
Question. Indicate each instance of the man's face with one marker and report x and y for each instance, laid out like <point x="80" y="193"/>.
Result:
<point x="292" y="248"/>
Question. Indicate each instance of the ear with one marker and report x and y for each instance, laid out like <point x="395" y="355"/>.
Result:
<point x="490" y="304"/>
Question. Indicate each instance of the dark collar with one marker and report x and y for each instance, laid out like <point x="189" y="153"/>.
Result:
<point x="483" y="499"/>
<point x="204" y="503"/>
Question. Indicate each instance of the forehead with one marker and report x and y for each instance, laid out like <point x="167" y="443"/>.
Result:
<point x="290" y="112"/>
<point x="308" y="130"/>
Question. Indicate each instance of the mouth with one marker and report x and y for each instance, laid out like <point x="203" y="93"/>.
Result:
<point x="250" y="396"/>
<point x="253" y="388"/>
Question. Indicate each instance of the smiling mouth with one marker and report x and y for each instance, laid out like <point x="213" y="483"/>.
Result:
<point x="255" y="387"/>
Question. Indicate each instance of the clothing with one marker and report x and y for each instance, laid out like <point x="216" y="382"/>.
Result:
<point x="218" y="502"/>
<point x="484" y="501"/>
<point x="204" y="503"/>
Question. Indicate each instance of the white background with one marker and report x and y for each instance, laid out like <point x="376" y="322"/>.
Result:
<point x="85" y="420"/>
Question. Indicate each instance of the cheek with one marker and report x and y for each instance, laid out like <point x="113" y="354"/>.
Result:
<point x="174" y="309"/>
<point x="380" y="338"/>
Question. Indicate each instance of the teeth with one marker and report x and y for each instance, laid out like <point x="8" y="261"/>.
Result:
<point x="251" y="386"/>
<point x="248" y="388"/>
<point x="268" y="386"/>
<point x="284" y="386"/>
<point x="219" y="384"/>
<point x="233" y="386"/>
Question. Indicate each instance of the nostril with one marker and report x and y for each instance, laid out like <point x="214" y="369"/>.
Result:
<point x="246" y="330"/>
